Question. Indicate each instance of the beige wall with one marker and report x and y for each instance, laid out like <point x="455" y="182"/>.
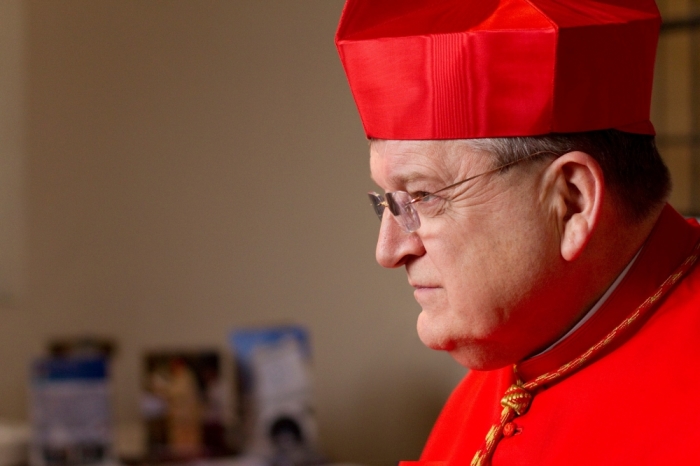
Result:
<point x="12" y="138"/>
<point x="15" y="323"/>
<point x="192" y="167"/>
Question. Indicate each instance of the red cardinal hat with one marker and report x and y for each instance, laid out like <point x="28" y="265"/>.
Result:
<point x="452" y="69"/>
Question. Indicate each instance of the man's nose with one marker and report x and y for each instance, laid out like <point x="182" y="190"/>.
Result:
<point x="394" y="245"/>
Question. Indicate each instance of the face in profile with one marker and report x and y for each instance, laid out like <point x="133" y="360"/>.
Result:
<point x="477" y="263"/>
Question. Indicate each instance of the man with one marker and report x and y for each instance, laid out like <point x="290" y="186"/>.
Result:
<point x="525" y="198"/>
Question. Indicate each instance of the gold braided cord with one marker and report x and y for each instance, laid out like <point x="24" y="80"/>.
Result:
<point x="492" y="437"/>
<point x="483" y="456"/>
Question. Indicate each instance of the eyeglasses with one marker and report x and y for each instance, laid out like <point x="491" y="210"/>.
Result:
<point x="405" y="207"/>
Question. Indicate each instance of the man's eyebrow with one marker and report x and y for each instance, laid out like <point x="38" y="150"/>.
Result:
<point x="412" y="177"/>
<point x="404" y="179"/>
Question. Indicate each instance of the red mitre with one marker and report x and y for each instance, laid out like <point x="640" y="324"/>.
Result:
<point x="451" y="69"/>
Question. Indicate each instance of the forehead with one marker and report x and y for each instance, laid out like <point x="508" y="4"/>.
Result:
<point x="395" y="164"/>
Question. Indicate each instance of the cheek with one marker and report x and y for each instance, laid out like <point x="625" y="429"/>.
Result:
<point x="494" y="265"/>
<point x="469" y="271"/>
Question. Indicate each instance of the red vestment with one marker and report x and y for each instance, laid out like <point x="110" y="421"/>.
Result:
<point x="634" y="404"/>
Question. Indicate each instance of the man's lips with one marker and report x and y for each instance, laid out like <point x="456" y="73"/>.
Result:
<point x="423" y="288"/>
<point x="420" y="285"/>
<point x="424" y="294"/>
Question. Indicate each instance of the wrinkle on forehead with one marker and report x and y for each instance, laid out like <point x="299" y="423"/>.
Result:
<point x="399" y="163"/>
<point x="429" y="148"/>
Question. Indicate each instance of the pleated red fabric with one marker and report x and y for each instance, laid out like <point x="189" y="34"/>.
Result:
<point x="451" y="69"/>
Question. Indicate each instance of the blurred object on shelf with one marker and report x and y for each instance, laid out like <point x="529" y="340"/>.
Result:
<point x="241" y="460"/>
<point x="70" y="411"/>
<point x="183" y="404"/>
<point x="85" y="346"/>
<point x="275" y="392"/>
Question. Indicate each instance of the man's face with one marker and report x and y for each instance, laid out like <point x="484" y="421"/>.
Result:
<point x="482" y="267"/>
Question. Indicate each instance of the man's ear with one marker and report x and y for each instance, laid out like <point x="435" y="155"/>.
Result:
<point x="577" y="188"/>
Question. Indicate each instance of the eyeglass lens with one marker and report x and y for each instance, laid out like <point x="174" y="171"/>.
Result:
<point x="399" y="203"/>
<point x="377" y="204"/>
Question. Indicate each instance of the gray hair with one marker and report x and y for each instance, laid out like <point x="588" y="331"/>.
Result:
<point x="631" y="164"/>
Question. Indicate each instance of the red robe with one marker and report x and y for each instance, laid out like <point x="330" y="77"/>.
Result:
<point x="635" y="404"/>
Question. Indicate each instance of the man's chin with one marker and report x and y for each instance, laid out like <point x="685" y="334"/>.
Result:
<point x="469" y="355"/>
<point x="439" y="345"/>
<point x="431" y="339"/>
<point x="435" y="341"/>
<point x="431" y="331"/>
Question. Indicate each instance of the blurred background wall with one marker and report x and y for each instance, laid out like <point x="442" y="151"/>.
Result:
<point x="191" y="167"/>
<point x="171" y="170"/>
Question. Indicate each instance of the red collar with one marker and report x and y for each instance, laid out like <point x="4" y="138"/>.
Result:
<point x="669" y="243"/>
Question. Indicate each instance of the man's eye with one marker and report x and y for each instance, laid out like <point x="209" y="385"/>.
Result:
<point x="428" y="204"/>
<point x="422" y="196"/>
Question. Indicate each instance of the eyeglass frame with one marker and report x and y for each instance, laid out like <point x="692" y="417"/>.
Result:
<point x="381" y="202"/>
